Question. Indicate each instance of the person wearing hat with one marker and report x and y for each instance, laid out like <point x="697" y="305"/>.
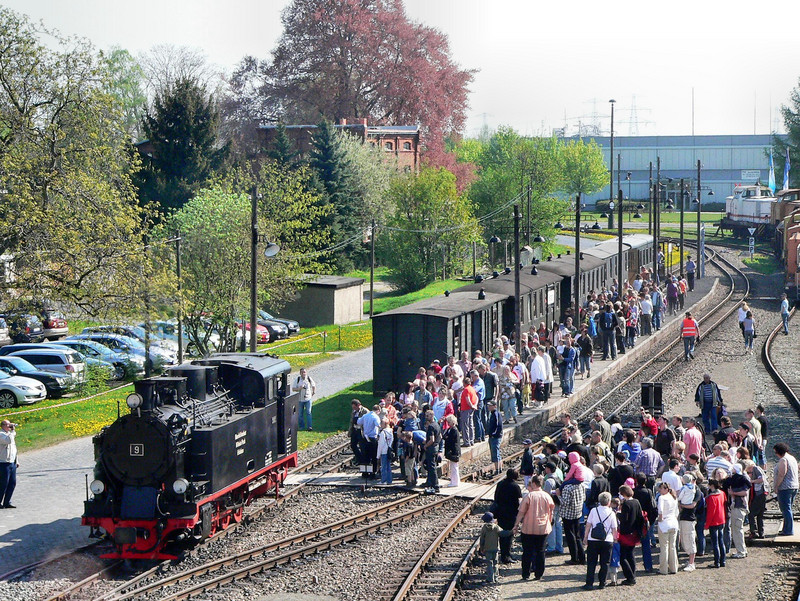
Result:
<point x="495" y="434"/>
<point x="526" y="468"/>
<point x="534" y="521"/>
<point x="489" y="544"/>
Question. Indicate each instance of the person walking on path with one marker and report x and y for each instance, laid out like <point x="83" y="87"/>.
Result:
<point x="785" y="313"/>
<point x="741" y="313"/>
<point x="305" y="385"/>
<point x="601" y="530"/>
<point x="657" y="298"/>
<point x="488" y="545"/>
<point x="690" y="332"/>
<point x="507" y="495"/>
<point x="8" y="463"/>
<point x="785" y="481"/>
<point x="691" y="267"/>
<point x="667" y="530"/>
<point x="534" y="521"/>
<point x="749" y="329"/>
<point x="495" y="433"/>
<point x="708" y="397"/>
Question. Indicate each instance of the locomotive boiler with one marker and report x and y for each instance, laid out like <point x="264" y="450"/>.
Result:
<point x="196" y="447"/>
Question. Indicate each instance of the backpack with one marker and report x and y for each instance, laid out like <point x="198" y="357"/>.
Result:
<point x="608" y="320"/>
<point x="599" y="531"/>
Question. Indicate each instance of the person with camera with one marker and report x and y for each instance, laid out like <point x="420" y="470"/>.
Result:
<point x="8" y="463"/>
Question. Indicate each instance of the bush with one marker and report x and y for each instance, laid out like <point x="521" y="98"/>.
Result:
<point x="96" y="380"/>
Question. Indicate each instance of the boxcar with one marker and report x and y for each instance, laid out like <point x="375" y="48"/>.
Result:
<point x="412" y="336"/>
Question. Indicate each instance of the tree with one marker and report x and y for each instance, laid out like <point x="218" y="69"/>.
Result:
<point x="215" y="231"/>
<point x="164" y="65"/>
<point x="182" y="127"/>
<point x="355" y="58"/>
<point x="126" y="84"/>
<point x="791" y="121"/>
<point x="328" y="160"/>
<point x="509" y="165"/>
<point x="583" y="170"/>
<point x="68" y="207"/>
<point x="283" y="151"/>
<point x="429" y="219"/>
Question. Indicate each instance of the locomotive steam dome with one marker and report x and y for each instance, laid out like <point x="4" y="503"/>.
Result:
<point x="138" y="451"/>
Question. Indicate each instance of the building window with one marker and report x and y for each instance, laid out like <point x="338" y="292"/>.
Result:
<point x="406" y="169"/>
<point x="406" y="145"/>
<point x="388" y="146"/>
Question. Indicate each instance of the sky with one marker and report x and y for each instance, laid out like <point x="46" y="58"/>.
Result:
<point x="539" y="64"/>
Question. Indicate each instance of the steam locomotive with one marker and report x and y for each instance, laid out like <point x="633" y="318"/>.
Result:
<point x="197" y="446"/>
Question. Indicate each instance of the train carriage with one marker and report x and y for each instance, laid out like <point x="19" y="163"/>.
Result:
<point x="640" y="253"/>
<point x="593" y="271"/>
<point x="412" y="336"/>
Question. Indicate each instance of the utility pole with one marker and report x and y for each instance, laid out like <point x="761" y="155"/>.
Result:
<point x="371" y="266"/>
<point x="697" y="271"/>
<point x="517" y="308"/>
<point x="650" y="208"/>
<point x="621" y="267"/>
<point x="180" y="297"/>
<point x="577" y="315"/>
<point x="611" y="156"/>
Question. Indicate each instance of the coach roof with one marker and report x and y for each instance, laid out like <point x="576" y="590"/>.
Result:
<point x="458" y="303"/>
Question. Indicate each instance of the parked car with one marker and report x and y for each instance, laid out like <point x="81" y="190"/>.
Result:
<point x="23" y="327"/>
<point x="130" y="346"/>
<point x="168" y="330"/>
<point x="290" y="324"/>
<point x="276" y="330"/>
<point x="122" y="363"/>
<point x="4" y="337"/>
<point x="64" y="361"/>
<point x="55" y="325"/>
<point x="56" y="383"/>
<point x="136" y="332"/>
<point x="19" y="390"/>
<point x="262" y="334"/>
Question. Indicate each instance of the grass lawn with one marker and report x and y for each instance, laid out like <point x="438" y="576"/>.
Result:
<point x="666" y="217"/>
<point x="52" y="424"/>
<point x="763" y="263"/>
<point x="349" y="337"/>
<point x="331" y="415"/>
<point x="381" y="274"/>
<point x="389" y="302"/>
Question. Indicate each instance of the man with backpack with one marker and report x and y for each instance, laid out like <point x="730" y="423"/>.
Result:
<point x="608" y="322"/>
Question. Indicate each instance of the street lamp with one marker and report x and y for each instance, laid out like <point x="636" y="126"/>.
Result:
<point x="492" y="241"/>
<point x="270" y="250"/>
<point x="611" y="206"/>
<point x="611" y="165"/>
<point x="684" y="195"/>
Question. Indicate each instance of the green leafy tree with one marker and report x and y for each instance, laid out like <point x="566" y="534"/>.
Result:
<point x="126" y="84"/>
<point x="508" y="166"/>
<point x="429" y="219"/>
<point x="791" y="122"/>
<point x="182" y="128"/>
<point x="215" y="230"/>
<point x="583" y="170"/>
<point x="68" y="207"/>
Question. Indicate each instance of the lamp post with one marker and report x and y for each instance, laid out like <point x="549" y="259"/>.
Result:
<point x="621" y="267"/>
<point x="517" y="308"/>
<point x="611" y="207"/>
<point x="650" y="198"/>
<point x="611" y="165"/>
<point x="577" y="314"/>
<point x="656" y="205"/>
<point x="271" y="250"/>
<point x="684" y="193"/>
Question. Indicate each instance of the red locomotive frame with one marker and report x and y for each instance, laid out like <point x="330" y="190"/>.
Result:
<point x="228" y="508"/>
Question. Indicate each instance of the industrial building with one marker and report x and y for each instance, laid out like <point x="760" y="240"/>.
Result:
<point x="726" y="161"/>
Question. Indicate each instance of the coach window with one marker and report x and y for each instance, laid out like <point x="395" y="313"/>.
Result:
<point x="456" y="338"/>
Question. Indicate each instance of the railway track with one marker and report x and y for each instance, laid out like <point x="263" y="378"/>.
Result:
<point x="790" y="389"/>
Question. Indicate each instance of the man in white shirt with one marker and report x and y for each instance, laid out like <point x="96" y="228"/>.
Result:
<point x="457" y="371"/>
<point x="647" y="314"/>
<point x="8" y="463"/>
<point x="784" y="314"/>
<point x="671" y="477"/>
<point x="305" y="385"/>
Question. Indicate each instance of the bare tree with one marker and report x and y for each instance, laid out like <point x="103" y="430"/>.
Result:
<point x="165" y="64"/>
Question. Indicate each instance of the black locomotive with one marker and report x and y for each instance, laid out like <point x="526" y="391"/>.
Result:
<point x="197" y="446"/>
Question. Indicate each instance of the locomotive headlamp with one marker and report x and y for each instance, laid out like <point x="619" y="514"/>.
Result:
<point x="134" y="400"/>
<point x="97" y="487"/>
<point x="180" y="486"/>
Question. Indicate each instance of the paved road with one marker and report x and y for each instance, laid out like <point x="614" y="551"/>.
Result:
<point x="51" y="482"/>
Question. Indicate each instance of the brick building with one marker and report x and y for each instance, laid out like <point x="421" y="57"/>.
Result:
<point x="403" y="141"/>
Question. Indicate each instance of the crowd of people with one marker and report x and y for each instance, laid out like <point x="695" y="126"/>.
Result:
<point x="469" y="399"/>
<point x="604" y="494"/>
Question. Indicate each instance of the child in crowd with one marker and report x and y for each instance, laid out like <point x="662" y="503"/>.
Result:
<point x="489" y="544"/>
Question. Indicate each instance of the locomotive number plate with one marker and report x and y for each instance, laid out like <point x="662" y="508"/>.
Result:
<point x="137" y="450"/>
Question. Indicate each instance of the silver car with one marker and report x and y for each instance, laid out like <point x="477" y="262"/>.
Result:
<point x="19" y="390"/>
<point x="64" y="361"/>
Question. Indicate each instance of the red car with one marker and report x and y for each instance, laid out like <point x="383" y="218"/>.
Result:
<point x="262" y="334"/>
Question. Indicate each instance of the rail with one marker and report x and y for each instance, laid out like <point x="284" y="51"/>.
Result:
<point x="792" y="392"/>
